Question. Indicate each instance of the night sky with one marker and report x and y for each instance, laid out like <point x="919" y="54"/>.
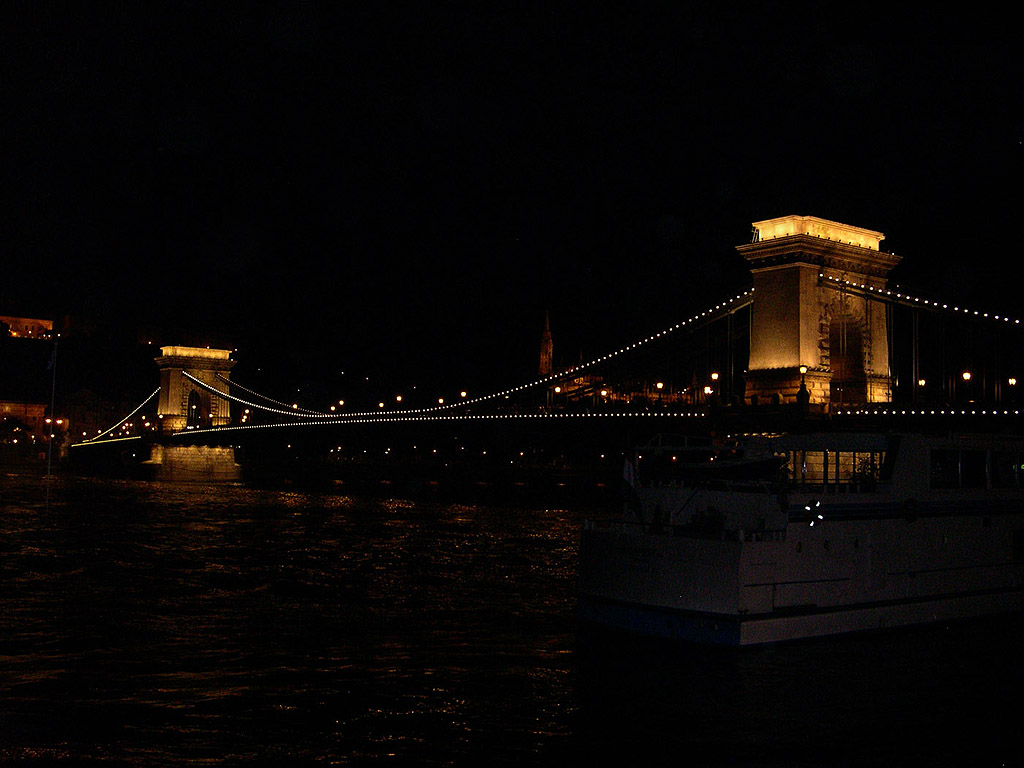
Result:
<point x="400" y="193"/>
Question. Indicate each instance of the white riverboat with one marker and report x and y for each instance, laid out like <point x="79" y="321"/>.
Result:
<point x="795" y="536"/>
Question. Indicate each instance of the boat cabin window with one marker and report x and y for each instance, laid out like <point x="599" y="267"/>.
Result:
<point x="1005" y="469"/>
<point x="835" y="471"/>
<point x="945" y="469"/>
<point x="972" y="469"/>
<point x="952" y="468"/>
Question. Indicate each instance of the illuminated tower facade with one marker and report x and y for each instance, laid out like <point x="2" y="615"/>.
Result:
<point x="182" y="402"/>
<point x="812" y="326"/>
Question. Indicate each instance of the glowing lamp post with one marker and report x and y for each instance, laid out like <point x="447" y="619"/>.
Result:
<point x="803" y="397"/>
<point x="965" y="377"/>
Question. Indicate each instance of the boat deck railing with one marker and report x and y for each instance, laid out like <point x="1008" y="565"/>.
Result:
<point x="714" y="533"/>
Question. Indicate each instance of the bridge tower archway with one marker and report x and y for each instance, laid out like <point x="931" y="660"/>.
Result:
<point x="182" y="403"/>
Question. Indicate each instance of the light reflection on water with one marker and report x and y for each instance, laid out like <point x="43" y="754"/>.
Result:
<point x="157" y="624"/>
<point x="181" y="624"/>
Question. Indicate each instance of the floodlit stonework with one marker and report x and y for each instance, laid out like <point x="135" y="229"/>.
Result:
<point x="802" y="319"/>
<point x="182" y="403"/>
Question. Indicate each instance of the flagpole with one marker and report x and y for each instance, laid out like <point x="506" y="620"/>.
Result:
<point x="53" y="417"/>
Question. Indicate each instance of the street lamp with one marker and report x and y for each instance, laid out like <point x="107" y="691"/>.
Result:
<point x="803" y="397"/>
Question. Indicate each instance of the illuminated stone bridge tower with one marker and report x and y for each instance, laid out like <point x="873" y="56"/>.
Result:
<point x="182" y="403"/>
<point x="806" y="330"/>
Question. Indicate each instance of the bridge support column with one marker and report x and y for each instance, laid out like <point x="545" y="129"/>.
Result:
<point x="182" y="403"/>
<point x="194" y="463"/>
<point x="806" y="330"/>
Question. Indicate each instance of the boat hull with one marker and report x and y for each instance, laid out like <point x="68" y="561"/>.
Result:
<point x="852" y="575"/>
<point x="720" y="629"/>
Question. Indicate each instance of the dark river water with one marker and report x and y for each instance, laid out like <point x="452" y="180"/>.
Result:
<point x="157" y="624"/>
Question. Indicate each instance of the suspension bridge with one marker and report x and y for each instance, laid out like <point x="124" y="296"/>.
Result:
<point x="817" y="335"/>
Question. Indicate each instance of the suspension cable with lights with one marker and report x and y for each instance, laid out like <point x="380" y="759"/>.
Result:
<point x="395" y="418"/>
<point x="294" y="408"/>
<point x="719" y="310"/>
<point x="904" y="299"/>
<point x="122" y="421"/>
<point x="228" y="396"/>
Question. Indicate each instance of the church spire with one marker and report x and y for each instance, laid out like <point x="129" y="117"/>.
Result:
<point x="545" y="368"/>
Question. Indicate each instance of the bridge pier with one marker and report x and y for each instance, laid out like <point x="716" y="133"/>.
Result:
<point x="194" y="463"/>
<point x="184" y="405"/>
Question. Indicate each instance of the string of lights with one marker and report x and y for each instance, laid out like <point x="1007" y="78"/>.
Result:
<point x="928" y="412"/>
<point x="719" y="310"/>
<point x="106" y="442"/>
<point x="908" y="300"/>
<point x="228" y="396"/>
<point x="712" y="313"/>
<point x="122" y="421"/>
<point x="406" y="418"/>
<point x="294" y="408"/>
